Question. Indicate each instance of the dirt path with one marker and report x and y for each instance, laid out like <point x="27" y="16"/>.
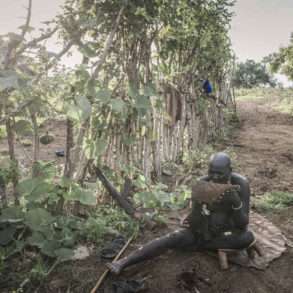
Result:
<point x="263" y="145"/>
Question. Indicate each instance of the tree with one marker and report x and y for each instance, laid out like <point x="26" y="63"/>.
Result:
<point x="250" y="74"/>
<point x="282" y="61"/>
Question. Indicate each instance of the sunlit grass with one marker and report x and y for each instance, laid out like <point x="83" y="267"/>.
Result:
<point x="250" y="94"/>
<point x="280" y="99"/>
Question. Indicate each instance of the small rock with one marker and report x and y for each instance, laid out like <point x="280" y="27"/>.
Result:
<point x="81" y="252"/>
<point x="60" y="153"/>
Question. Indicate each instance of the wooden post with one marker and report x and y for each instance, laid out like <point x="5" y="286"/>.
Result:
<point x="223" y="259"/>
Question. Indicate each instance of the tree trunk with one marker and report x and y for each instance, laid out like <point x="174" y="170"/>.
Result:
<point x="36" y="143"/>
<point x="11" y="140"/>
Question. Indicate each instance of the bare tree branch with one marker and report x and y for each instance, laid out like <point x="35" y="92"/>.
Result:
<point x="15" y="112"/>
<point x="35" y="41"/>
<point x="38" y="77"/>
<point x="108" y="44"/>
<point x="28" y="19"/>
<point x="13" y="45"/>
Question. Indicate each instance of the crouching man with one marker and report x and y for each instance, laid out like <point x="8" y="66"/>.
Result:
<point x="218" y="219"/>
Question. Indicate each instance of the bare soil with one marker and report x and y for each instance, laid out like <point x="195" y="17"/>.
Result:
<point x="263" y="144"/>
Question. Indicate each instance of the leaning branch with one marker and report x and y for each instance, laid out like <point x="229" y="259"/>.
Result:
<point x="123" y="202"/>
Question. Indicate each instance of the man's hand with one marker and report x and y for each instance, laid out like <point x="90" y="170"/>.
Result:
<point x="232" y="198"/>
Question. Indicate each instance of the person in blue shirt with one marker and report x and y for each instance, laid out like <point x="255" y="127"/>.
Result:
<point x="207" y="87"/>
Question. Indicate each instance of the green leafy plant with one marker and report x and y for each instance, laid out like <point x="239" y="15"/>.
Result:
<point x="282" y="61"/>
<point x="276" y="200"/>
<point x="39" y="271"/>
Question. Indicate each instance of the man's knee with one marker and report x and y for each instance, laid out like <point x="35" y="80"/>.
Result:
<point x="180" y="238"/>
<point x="231" y="241"/>
<point x="246" y="239"/>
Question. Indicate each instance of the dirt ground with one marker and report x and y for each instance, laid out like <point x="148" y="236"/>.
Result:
<point x="263" y="145"/>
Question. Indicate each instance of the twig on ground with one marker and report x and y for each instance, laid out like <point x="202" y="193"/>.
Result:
<point x="115" y="259"/>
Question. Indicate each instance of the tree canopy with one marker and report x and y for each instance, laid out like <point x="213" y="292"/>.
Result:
<point x="282" y="61"/>
<point x="250" y="74"/>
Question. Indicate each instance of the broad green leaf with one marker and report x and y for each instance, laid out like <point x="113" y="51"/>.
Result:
<point x="103" y="95"/>
<point x="41" y="192"/>
<point x="86" y="198"/>
<point x="5" y="163"/>
<point x="11" y="214"/>
<point x="162" y="197"/>
<point x="142" y="102"/>
<point x="117" y="105"/>
<point x="50" y="247"/>
<point x="81" y="111"/>
<point x="37" y="239"/>
<point x="132" y="91"/>
<point x="6" y="235"/>
<point x="38" y="219"/>
<point x="23" y="128"/>
<point x="140" y="182"/>
<point x="68" y="241"/>
<point x="148" y="199"/>
<point x="64" y="253"/>
<point x="8" y="82"/>
<point x="27" y="186"/>
<point x="101" y="146"/>
<point x="36" y="106"/>
<point x="95" y="149"/>
<point x="46" y="170"/>
<point x="82" y="72"/>
<point x="149" y="90"/>
<point x="85" y="106"/>
<point x="128" y="140"/>
<point x="87" y="51"/>
<point x="83" y="196"/>
<point x="20" y="244"/>
<point x="17" y="247"/>
<point x="73" y="112"/>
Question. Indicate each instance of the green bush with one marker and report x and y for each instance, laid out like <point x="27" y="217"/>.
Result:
<point x="275" y="200"/>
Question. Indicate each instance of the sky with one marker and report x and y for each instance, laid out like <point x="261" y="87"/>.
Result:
<point x="258" y="28"/>
<point x="261" y="27"/>
<point x="13" y="12"/>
